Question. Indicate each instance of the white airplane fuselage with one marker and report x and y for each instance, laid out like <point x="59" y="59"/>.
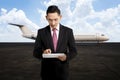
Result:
<point x="78" y="38"/>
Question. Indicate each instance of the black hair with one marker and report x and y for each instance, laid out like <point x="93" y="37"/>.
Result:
<point x="53" y="9"/>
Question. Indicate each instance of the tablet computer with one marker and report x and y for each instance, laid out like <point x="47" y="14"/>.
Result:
<point x="52" y="55"/>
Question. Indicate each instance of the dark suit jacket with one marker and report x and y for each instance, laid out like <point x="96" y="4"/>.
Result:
<point x="54" y="69"/>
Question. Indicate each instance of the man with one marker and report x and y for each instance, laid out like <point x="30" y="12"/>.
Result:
<point x="55" y="68"/>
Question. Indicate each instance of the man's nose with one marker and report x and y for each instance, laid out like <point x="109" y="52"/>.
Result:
<point x="53" y="23"/>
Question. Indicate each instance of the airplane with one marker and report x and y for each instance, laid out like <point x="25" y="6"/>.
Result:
<point x="83" y="38"/>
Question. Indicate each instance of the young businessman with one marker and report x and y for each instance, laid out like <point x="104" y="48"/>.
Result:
<point x="55" y="38"/>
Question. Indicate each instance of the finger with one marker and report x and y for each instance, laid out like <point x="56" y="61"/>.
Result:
<point x="46" y="51"/>
<point x="60" y="58"/>
<point x="49" y="50"/>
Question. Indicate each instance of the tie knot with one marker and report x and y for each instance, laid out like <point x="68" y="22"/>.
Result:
<point x="54" y="29"/>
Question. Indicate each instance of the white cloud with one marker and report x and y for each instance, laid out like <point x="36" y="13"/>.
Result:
<point x="82" y="18"/>
<point x="7" y="31"/>
<point x="3" y="11"/>
<point x="83" y="8"/>
<point x="13" y="38"/>
<point x="43" y="21"/>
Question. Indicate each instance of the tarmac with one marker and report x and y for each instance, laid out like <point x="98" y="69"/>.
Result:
<point x="95" y="61"/>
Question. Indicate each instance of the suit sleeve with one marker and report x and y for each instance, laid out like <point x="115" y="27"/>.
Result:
<point x="72" y="52"/>
<point x="37" y="52"/>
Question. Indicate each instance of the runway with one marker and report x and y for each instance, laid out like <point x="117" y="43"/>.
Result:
<point x="95" y="61"/>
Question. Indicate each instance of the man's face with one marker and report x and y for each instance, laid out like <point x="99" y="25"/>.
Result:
<point x="53" y="19"/>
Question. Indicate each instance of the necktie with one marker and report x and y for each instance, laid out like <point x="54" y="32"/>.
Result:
<point x="54" y="39"/>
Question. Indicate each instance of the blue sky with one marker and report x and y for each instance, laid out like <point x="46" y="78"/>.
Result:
<point x="105" y="4"/>
<point x="30" y="6"/>
<point x="88" y="12"/>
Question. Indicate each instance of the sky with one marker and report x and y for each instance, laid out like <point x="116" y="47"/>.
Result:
<point x="83" y="16"/>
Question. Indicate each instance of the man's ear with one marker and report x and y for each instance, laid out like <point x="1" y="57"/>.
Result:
<point x="60" y="16"/>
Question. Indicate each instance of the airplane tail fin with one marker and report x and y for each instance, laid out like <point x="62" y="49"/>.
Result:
<point x="26" y="32"/>
<point x="23" y="28"/>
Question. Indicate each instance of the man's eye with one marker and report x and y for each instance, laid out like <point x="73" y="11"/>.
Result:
<point x="56" y="19"/>
<point x="50" y="20"/>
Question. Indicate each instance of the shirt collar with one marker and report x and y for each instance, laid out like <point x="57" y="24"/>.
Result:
<point x="57" y="28"/>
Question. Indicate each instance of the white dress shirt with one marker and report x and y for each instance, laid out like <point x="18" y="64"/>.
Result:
<point x="57" y="30"/>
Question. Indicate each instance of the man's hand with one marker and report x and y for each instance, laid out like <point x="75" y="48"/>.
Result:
<point x="62" y="58"/>
<point x="47" y="51"/>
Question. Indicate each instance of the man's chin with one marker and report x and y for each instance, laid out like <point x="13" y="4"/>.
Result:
<point x="53" y="26"/>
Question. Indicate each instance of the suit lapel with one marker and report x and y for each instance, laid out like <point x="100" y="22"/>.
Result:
<point x="60" y="38"/>
<point x="49" y="38"/>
